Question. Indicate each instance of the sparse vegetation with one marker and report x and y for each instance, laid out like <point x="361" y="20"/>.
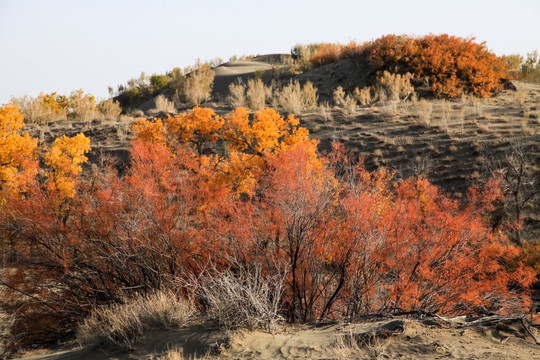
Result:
<point x="53" y="107"/>
<point x="294" y="98"/>
<point x="347" y="104"/>
<point x="243" y="298"/>
<point x="524" y="68"/>
<point x="164" y="105"/>
<point x="257" y="93"/>
<point x="110" y="109"/>
<point x="237" y="94"/>
<point x="363" y="96"/>
<point x="199" y="84"/>
<point x="392" y="87"/>
<point x="123" y="324"/>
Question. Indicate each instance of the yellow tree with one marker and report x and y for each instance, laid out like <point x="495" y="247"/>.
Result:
<point x="247" y="141"/>
<point x="64" y="160"/>
<point x="18" y="151"/>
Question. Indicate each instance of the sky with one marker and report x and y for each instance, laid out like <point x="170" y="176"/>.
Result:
<point x="54" y="45"/>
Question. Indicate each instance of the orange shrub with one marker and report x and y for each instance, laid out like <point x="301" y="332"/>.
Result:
<point x="451" y="64"/>
<point x="351" y="242"/>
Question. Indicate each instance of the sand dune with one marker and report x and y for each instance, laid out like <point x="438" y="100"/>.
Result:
<point x="458" y="338"/>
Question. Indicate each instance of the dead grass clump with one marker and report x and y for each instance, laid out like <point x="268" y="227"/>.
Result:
<point x="346" y="103"/>
<point x="178" y="354"/>
<point x="423" y="110"/>
<point x="394" y="87"/>
<point x="294" y="98"/>
<point x="164" y="105"/>
<point x="483" y="128"/>
<point x="83" y="106"/>
<point x="257" y="93"/>
<point x="110" y="109"/>
<point x="525" y="123"/>
<point x="363" y="96"/>
<point x="246" y="298"/>
<point x="326" y="111"/>
<point x="521" y="97"/>
<point x="199" y="84"/>
<point x="123" y="324"/>
<point x="446" y="115"/>
<point x="237" y="94"/>
<point x="351" y="346"/>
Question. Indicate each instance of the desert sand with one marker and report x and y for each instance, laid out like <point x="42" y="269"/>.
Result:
<point x="433" y="338"/>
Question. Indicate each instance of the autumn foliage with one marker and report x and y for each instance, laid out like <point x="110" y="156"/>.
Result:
<point x="451" y="65"/>
<point x="244" y="192"/>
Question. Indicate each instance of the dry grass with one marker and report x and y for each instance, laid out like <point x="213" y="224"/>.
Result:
<point x="237" y="94"/>
<point x="123" y="324"/>
<point x="294" y="98"/>
<point x="84" y="110"/>
<point x="526" y="130"/>
<point x="164" y="105"/>
<point x="351" y="346"/>
<point x="363" y="96"/>
<point x="199" y="84"/>
<point x="35" y="111"/>
<point x="243" y="299"/>
<point x="178" y="354"/>
<point x="446" y="115"/>
<point x="325" y="111"/>
<point x="257" y="94"/>
<point x="423" y="110"/>
<point x="110" y="109"/>
<point x="394" y="87"/>
<point x="521" y="97"/>
<point x="347" y="104"/>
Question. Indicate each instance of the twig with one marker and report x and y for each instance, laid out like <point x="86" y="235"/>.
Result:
<point x="528" y="330"/>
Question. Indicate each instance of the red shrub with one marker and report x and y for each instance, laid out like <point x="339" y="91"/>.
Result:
<point x="353" y="244"/>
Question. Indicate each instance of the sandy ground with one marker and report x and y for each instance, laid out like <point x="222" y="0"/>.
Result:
<point x="458" y="338"/>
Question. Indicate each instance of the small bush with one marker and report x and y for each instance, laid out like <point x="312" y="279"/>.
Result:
<point x="199" y="84"/>
<point x="325" y="111"/>
<point x="123" y="324"/>
<point x="178" y="354"/>
<point x="53" y="107"/>
<point x="83" y="106"/>
<point x="164" y="105"/>
<point x="159" y="82"/>
<point x="37" y="110"/>
<point x="394" y="87"/>
<point x="237" y="94"/>
<point x="110" y="109"/>
<point x="247" y="298"/>
<point x="529" y="69"/>
<point x="363" y="96"/>
<point x="424" y="111"/>
<point x="346" y="103"/>
<point x="257" y="93"/>
<point x="295" y="98"/>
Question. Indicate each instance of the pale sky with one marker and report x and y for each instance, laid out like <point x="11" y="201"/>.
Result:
<point x="54" y="45"/>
